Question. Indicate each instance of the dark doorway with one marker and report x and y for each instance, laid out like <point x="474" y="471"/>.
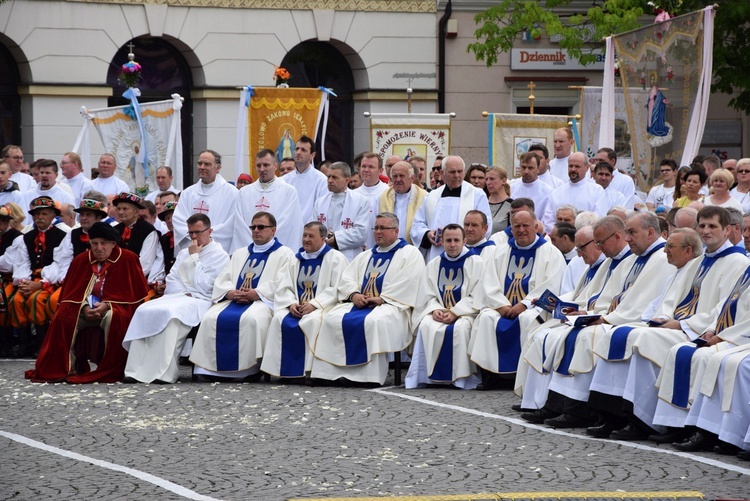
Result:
<point x="10" y="102"/>
<point x="315" y="64"/>
<point x="165" y="72"/>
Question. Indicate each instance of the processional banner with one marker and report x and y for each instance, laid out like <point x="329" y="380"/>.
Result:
<point x="510" y="136"/>
<point x="157" y="134"/>
<point x="425" y="135"/>
<point x="276" y="118"/>
<point x="665" y="72"/>
<point x="591" y="113"/>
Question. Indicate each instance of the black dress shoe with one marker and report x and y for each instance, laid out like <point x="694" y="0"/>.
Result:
<point x="569" y="421"/>
<point x="670" y="437"/>
<point x="518" y="408"/>
<point x="604" y="430"/>
<point x="629" y="433"/>
<point x="744" y="455"/>
<point x="698" y="441"/>
<point x="129" y="380"/>
<point x="538" y="416"/>
<point x="726" y="449"/>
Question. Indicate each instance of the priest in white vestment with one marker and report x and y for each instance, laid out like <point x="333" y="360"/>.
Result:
<point x="232" y="334"/>
<point x="107" y="183"/>
<point x="445" y="205"/>
<point x="370" y="168"/>
<point x="344" y="212"/>
<point x="579" y="192"/>
<point x="621" y="182"/>
<point x="47" y="187"/>
<point x="691" y="314"/>
<point x="376" y="296"/>
<point x="73" y="176"/>
<point x="309" y="182"/>
<point x="540" y="350"/>
<point x="403" y="198"/>
<point x="475" y="228"/>
<point x="268" y="194"/>
<point x="445" y="315"/>
<point x="517" y="275"/>
<point x="542" y="153"/>
<point x="211" y="196"/>
<point x="563" y="143"/>
<point x="164" y="180"/>
<point x="306" y="291"/>
<point x="159" y="328"/>
<point x="529" y="185"/>
<point x="574" y="360"/>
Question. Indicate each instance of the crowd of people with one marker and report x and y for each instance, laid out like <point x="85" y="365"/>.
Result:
<point x="602" y="307"/>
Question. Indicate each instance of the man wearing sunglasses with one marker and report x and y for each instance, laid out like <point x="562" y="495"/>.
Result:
<point x="230" y="340"/>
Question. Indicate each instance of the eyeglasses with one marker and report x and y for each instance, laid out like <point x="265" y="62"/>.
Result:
<point x="672" y="246"/>
<point x="580" y="248"/>
<point x="599" y="244"/>
<point x="260" y="227"/>
<point x="196" y="233"/>
<point x="383" y="228"/>
<point x="17" y="157"/>
<point x="743" y="171"/>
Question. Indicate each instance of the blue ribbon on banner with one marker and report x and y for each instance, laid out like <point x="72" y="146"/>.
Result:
<point x="576" y="136"/>
<point x="142" y="156"/>
<point x="250" y="93"/>
<point x="327" y="91"/>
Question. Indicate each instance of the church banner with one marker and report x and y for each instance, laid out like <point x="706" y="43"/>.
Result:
<point x="413" y="134"/>
<point x="510" y="136"/>
<point x="591" y="113"/>
<point x="276" y="118"/>
<point x="120" y="134"/>
<point x="665" y="73"/>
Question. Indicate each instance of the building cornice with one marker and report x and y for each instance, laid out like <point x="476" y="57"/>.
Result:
<point x="414" y="6"/>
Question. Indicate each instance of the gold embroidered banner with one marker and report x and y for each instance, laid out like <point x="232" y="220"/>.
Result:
<point x="278" y="117"/>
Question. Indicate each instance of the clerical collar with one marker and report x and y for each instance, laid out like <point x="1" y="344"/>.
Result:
<point x="464" y="251"/>
<point x="263" y="247"/>
<point x="536" y="237"/>
<point x="727" y="244"/>
<point x="477" y="244"/>
<point x="313" y="255"/>
<point x="207" y="186"/>
<point x="451" y="192"/>
<point x="570" y="255"/>
<point x="338" y="195"/>
<point x="599" y="260"/>
<point x="622" y="253"/>
<point x="386" y="249"/>
<point x="404" y="194"/>
<point x="299" y="172"/>
<point x="658" y="241"/>
<point x="266" y="185"/>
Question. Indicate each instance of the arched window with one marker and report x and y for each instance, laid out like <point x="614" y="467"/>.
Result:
<point x="315" y="64"/>
<point x="165" y="72"/>
<point x="10" y="102"/>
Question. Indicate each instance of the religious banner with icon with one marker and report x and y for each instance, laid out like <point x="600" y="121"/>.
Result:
<point x="425" y="135"/>
<point x="275" y="118"/>
<point x="121" y="131"/>
<point x="665" y="74"/>
<point x="591" y="112"/>
<point x="510" y="135"/>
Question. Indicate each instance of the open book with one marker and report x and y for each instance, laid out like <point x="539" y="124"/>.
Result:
<point x="562" y="310"/>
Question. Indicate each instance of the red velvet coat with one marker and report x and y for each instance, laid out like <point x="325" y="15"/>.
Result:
<point x="124" y="290"/>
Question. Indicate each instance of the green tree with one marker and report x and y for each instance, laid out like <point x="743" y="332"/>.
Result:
<point x="581" y="33"/>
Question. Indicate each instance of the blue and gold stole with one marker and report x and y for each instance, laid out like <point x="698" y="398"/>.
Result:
<point x="633" y="274"/>
<point x="612" y="266"/>
<point x="293" y="340"/>
<point x="353" y="322"/>
<point x="451" y="278"/>
<point x="228" y="321"/>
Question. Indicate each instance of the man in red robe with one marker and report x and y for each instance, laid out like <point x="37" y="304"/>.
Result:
<point x="100" y="294"/>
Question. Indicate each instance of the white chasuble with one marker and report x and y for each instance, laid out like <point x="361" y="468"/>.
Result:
<point x="349" y="222"/>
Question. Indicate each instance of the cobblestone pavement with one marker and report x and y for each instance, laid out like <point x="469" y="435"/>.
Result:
<point x="270" y="441"/>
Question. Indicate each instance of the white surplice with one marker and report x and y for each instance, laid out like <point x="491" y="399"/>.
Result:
<point x="277" y="198"/>
<point x="310" y="185"/>
<point x="372" y="193"/>
<point x="347" y="215"/>
<point x="79" y="185"/>
<point x="111" y="185"/>
<point x="159" y="327"/>
<point x="216" y="200"/>
<point x="387" y="328"/>
<point x="538" y="191"/>
<point x="583" y="195"/>
<point x="326" y="281"/>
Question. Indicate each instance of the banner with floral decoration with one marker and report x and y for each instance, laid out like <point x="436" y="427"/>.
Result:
<point x="425" y="135"/>
<point x="665" y="73"/>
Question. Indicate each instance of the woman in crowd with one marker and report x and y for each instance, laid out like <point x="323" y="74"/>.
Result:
<point x="691" y="187"/>
<point x="498" y="194"/>
<point x="476" y="175"/>
<point x="720" y="182"/>
<point x="742" y="191"/>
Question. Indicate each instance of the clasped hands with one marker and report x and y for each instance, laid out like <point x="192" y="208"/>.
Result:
<point x="243" y="296"/>
<point x="300" y="310"/>
<point x="511" y="311"/>
<point x="96" y="313"/>
<point x="365" y="300"/>
<point x="444" y="316"/>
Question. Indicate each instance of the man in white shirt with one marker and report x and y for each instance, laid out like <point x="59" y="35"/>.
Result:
<point x="603" y="177"/>
<point x="107" y="183"/>
<point x="163" y="183"/>
<point x="579" y="192"/>
<point x="272" y="195"/>
<point x="13" y="155"/>
<point x="544" y="175"/>
<point x="286" y="166"/>
<point x="620" y="182"/>
<point x="344" y="212"/>
<point x="310" y="183"/>
<point x="47" y="186"/>
<point x="211" y="195"/>
<point x="370" y="168"/>
<point x="72" y="171"/>
<point x="445" y="205"/>
<point x="662" y="195"/>
<point x="9" y="191"/>
<point x="529" y="185"/>
<point x="563" y="144"/>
